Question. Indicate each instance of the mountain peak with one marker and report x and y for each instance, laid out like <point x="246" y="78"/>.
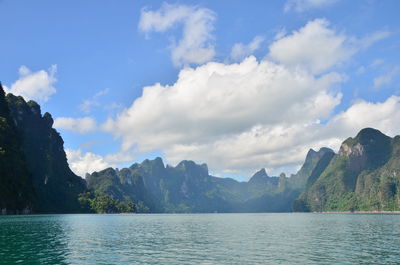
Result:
<point x="259" y="175"/>
<point x="325" y="150"/>
<point x="369" y="133"/>
<point x="312" y="154"/>
<point x="191" y="165"/>
<point x="366" y="137"/>
<point x="370" y="147"/>
<point x="158" y="162"/>
<point x="186" y="163"/>
<point x="261" y="172"/>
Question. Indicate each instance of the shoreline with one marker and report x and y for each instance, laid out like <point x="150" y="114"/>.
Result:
<point x="329" y="212"/>
<point x="397" y="212"/>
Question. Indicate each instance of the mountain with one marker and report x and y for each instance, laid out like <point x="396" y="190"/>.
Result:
<point x="314" y="164"/>
<point x="188" y="187"/>
<point x="122" y="185"/>
<point x="35" y="175"/>
<point x="364" y="175"/>
<point x="16" y="191"/>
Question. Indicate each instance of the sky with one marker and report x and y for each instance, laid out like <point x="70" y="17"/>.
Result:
<point x="239" y="85"/>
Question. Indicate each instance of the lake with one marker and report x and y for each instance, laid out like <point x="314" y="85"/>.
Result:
<point x="286" y="238"/>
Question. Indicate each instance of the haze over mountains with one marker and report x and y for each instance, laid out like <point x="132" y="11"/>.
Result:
<point x="188" y="187"/>
<point x="35" y="177"/>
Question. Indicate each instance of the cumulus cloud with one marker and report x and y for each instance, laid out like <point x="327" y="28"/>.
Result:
<point x="384" y="116"/>
<point x="34" y="85"/>
<point x="318" y="47"/>
<point x="305" y="5"/>
<point x="196" y="44"/>
<point x="315" y="47"/>
<point x="87" y="162"/>
<point x="243" y="116"/>
<point x="286" y="145"/>
<point x="215" y="108"/>
<point x="78" y="125"/>
<point x="240" y="50"/>
<point x="82" y="163"/>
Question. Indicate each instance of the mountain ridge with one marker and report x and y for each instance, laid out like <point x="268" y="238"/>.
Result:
<point x="188" y="187"/>
<point x="337" y="181"/>
<point x="35" y="176"/>
<point x="363" y="176"/>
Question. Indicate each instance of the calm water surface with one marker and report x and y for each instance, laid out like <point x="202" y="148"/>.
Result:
<point x="201" y="239"/>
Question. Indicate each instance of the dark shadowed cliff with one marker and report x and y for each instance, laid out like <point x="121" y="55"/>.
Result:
<point x="34" y="166"/>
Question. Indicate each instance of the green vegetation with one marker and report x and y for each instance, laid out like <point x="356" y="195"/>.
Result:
<point x="188" y="187"/>
<point x="34" y="173"/>
<point x="35" y="177"/>
<point x="364" y="176"/>
<point x="16" y="192"/>
<point x="103" y="203"/>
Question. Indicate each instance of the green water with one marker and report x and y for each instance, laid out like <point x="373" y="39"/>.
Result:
<point x="201" y="239"/>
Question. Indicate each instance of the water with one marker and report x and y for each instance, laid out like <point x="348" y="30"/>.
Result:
<point x="201" y="239"/>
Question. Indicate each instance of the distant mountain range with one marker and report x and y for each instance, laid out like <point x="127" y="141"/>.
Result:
<point x="35" y="177"/>
<point x="363" y="176"/>
<point x="188" y="187"/>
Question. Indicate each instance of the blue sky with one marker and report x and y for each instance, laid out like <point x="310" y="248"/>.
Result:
<point x="239" y="85"/>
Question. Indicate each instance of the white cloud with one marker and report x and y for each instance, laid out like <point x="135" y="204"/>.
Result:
<point x="243" y="116"/>
<point x="34" y="85"/>
<point x="305" y="5"/>
<point x="286" y="145"/>
<point x="88" y="162"/>
<point x="88" y="104"/>
<point x="315" y="47"/>
<point x="384" y="116"/>
<point x="386" y="78"/>
<point x="240" y="50"/>
<point x="372" y="38"/>
<point x="212" y="111"/>
<point x="78" y="125"/>
<point x="82" y="163"/>
<point x="196" y="44"/>
<point x="280" y="34"/>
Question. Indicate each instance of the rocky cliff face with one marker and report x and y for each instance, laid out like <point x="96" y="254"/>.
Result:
<point x="314" y="164"/>
<point x="123" y="185"/>
<point x="16" y="189"/>
<point x="261" y="178"/>
<point x="188" y="187"/>
<point x="369" y="149"/>
<point x="35" y="177"/>
<point x="363" y="176"/>
<point x="53" y="185"/>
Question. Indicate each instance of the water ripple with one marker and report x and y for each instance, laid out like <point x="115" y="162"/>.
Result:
<point x="201" y="239"/>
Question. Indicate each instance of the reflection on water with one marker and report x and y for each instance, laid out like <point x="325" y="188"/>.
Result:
<point x="201" y="238"/>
